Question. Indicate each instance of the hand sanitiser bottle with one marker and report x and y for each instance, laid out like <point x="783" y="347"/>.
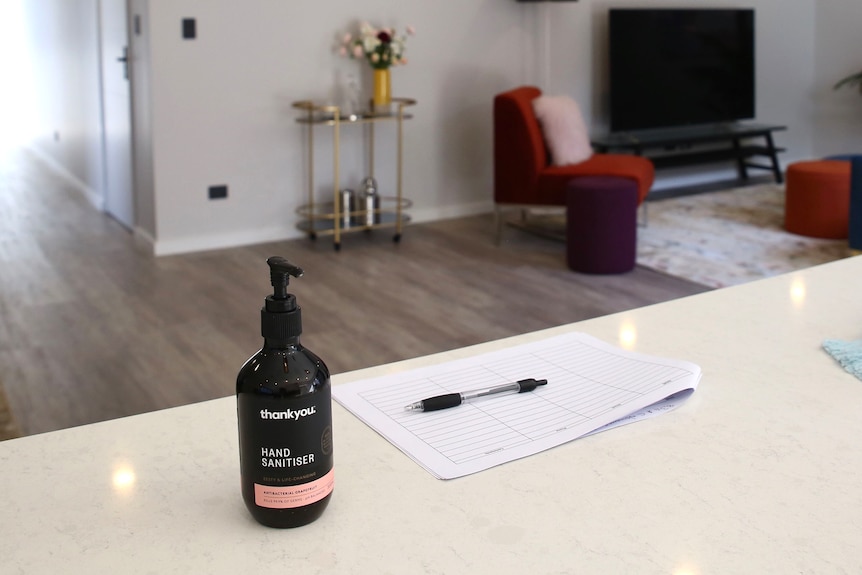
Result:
<point x="284" y="412"/>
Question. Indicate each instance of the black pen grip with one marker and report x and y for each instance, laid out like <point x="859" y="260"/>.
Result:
<point x="530" y="384"/>
<point x="441" y="402"/>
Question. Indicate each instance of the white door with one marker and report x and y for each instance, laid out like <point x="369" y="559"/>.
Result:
<point x="119" y="201"/>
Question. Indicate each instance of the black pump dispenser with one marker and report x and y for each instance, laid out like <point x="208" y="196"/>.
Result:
<point x="284" y="412"/>
<point x="281" y="318"/>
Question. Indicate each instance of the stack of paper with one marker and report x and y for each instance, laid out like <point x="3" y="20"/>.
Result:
<point x="592" y="386"/>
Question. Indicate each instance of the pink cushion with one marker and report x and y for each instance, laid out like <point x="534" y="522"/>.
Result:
<point x="563" y="129"/>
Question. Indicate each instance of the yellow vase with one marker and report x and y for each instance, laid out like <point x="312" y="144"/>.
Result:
<point x="382" y="88"/>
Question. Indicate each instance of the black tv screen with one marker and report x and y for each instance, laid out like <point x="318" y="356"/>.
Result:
<point x="677" y="67"/>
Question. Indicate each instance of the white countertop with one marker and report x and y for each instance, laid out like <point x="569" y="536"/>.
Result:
<point x="759" y="472"/>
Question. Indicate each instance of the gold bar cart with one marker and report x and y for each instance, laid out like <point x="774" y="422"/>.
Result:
<point x="325" y="218"/>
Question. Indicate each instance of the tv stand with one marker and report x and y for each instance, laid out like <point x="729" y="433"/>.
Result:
<point x="674" y="147"/>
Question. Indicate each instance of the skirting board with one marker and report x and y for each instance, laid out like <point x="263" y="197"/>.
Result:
<point x="145" y="242"/>
<point x="217" y="241"/>
<point x="92" y="195"/>
<point x="235" y="240"/>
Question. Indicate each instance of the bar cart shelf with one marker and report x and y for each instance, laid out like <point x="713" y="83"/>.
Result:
<point x="322" y="221"/>
<point x="333" y="217"/>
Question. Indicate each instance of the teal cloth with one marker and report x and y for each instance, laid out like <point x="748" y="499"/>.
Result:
<point x="847" y="353"/>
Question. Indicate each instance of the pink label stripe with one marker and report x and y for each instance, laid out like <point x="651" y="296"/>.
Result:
<point x="295" y="495"/>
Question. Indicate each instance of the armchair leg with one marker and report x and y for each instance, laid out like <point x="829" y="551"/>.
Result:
<point x="644" y="219"/>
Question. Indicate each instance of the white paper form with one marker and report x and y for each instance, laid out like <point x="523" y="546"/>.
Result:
<point x="591" y="385"/>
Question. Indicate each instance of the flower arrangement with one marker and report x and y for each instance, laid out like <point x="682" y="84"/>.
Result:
<point x="382" y="47"/>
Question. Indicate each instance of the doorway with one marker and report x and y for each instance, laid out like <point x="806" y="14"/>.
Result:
<point x="37" y="85"/>
<point x="16" y="93"/>
<point x="116" y="110"/>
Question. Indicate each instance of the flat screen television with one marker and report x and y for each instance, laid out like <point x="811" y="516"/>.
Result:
<point x="677" y="67"/>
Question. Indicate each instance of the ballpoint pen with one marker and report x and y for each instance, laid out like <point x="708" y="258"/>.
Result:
<point x="456" y="399"/>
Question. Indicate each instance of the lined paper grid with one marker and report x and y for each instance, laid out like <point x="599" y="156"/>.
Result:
<point x="590" y="385"/>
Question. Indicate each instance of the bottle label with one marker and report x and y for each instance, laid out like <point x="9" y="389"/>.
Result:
<point x="286" y="448"/>
<point x="299" y="496"/>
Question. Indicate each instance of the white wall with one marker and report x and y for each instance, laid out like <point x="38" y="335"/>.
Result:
<point x="217" y="109"/>
<point x="64" y="50"/>
<point x="222" y="109"/>
<point x="837" y="114"/>
<point x="16" y="82"/>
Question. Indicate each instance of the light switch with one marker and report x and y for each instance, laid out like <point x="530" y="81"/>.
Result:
<point x="189" y="29"/>
<point x="217" y="192"/>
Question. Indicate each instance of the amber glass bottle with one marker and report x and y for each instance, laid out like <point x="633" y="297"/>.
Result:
<point x="284" y="411"/>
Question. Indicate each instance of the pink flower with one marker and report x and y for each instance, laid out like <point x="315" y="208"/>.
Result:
<point x="381" y="47"/>
<point x="342" y="51"/>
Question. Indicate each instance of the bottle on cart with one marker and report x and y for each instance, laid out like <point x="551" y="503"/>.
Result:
<point x="284" y="411"/>
<point x="371" y="199"/>
<point x="354" y="95"/>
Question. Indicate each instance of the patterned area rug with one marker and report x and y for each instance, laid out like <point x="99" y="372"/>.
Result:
<point x="717" y="239"/>
<point x="727" y="238"/>
<point x="8" y="427"/>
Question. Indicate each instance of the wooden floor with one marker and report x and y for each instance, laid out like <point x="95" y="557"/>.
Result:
<point x="92" y="329"/>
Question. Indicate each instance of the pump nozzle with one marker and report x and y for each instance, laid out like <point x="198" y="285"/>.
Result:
<point x="280" y="318"/>
<point x="280" y="271"/>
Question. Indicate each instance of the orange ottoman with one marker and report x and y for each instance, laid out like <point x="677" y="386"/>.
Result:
<point x="817" y="198"/>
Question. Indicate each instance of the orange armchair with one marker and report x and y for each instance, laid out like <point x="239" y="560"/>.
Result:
<point x="523" y="174"/>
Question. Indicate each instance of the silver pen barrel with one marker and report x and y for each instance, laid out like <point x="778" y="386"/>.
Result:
<point x="491" y="391"/>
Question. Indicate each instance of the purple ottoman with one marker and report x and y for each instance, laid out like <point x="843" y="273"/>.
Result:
<point x="601" y="224"/>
